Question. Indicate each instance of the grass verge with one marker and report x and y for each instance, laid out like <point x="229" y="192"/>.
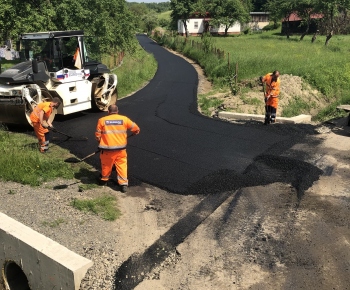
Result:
<point x="22" y="162"/>
<point x="135" y="72"/>
<point x="104" y="206"/>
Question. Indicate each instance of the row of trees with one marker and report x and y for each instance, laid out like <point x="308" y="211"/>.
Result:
<point x="334" y="13"/>
<point x="110" y="20"/>
<point x="222" y="12"/>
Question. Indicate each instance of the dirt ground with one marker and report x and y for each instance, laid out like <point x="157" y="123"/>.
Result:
<point x="260" y="237"/>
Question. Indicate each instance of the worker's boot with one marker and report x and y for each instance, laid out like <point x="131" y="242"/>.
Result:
<point x="123" y="188"/>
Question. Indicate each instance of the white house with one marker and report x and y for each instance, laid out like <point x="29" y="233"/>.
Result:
<point x="196" y="26"/>
<point x="259" y="20"/>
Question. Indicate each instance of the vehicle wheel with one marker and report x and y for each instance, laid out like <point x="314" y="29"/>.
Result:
<point x="37" y="98"/>
<point x="104" y="91"/>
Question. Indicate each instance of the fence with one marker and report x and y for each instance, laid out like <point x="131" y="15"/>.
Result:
<point x="220" y="54"/>
<point x="113" y="60"/>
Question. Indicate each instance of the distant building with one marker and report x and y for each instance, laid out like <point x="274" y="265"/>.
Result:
<point x="258" y="20"/>
<point x="296" y="26"/>
<point x="199" y="25"/>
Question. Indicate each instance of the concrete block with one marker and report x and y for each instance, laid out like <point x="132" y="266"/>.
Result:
<point x="30" y="259"/>
<point x="301" y="119"/>
<point x="239" y="116"/>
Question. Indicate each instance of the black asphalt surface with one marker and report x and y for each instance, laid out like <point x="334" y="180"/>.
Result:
<point x="177" y="148"/>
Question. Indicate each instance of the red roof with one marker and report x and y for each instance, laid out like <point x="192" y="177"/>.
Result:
<point x="295" y="17"/>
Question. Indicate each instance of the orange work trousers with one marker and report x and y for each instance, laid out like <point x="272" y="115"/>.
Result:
<point x="119" y="159"/>
<point x="40" y="133"/>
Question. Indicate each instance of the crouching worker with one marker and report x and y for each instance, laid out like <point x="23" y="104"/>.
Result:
<point x="272" y="92"/>
<point x="111" y="133"/>
<point x="41" y="123"/>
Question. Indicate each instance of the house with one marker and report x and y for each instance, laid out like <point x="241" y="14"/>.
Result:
<point x="199" y="25"/>
<point x="196" y="25"/>
<point x="296" y="26"/>
<point x="258" y="20"/>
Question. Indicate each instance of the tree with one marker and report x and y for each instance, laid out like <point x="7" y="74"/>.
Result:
<point x="228" y="12"/>
<point x="150" y="21"/>
<point x="114" y="24"/>
<point x="182" y="10"/>
<point x="331" y="9"/>
<point x="281" y="9"/>
<point x="305" y="9"/>
<point x="258" y="5"/>
<point x="138" y="10"/>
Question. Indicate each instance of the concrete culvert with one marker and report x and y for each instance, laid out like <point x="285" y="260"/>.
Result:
<point x="14" y="277"/>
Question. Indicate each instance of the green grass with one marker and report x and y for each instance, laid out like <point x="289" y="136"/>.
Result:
<point x="53" y="224"/>
<point x="165" y="15"/>
<point x="6" y="64"/>
<point x="326" y="68"/>
<point x="22" y="162"/>
<point x="206" y="104"/>
<point x="104" y="206"/>
<point x="135" y="72"/>
<point x="296" y="107"/>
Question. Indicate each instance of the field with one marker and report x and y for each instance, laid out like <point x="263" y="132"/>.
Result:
<point x="325" y="69"/>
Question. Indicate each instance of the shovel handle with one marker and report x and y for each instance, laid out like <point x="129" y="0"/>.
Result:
<point x="92" y="154"/>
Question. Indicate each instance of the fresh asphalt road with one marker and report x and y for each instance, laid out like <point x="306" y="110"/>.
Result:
<point x="177" y="146"/>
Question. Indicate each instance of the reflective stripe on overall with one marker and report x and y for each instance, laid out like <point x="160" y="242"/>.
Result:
<point x="119" y="159"/>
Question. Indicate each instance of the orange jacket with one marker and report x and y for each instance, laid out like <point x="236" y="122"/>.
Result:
<point x="76" y="53"/>
<point x="111" y="131"/>
<point x="272" y="90"/>
<point x="35" y="115"/>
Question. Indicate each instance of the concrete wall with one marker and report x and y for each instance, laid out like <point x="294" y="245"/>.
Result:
<point x="27" y="254"/>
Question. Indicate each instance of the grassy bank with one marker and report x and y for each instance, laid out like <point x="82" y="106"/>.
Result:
<point x="22" y="162"/>
<point x="326" y="68"/>
<point x="135" y="72"/>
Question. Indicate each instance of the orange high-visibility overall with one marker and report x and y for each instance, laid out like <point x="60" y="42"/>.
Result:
<point x="111" y="132"/>
<point x="41" y="132"/>
<point x="272" y="90"/>
<point x="271" y="97"/>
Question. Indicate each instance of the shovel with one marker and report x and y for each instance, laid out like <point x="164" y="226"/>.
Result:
<point x="76" y="160"/>
<point x="68" y="136"/>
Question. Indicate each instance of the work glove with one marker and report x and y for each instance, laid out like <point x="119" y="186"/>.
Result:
<point x="45" y="126"/>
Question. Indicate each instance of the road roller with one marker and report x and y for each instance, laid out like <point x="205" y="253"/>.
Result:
<point x="55" y="64"/>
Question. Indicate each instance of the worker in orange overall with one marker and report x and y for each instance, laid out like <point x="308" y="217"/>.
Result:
<point x="272" y="91"/>
<point x="41" y="122"/>
<point x="111" y="133"/>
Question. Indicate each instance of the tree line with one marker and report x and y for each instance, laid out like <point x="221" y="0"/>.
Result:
<point x="110" y="20"/>
<point x="333" y="14"/>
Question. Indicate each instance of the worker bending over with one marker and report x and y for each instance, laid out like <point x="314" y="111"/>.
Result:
<point x="111" y="133"/>
<point x="41" y="122"/>
<point x="272" y="92"/>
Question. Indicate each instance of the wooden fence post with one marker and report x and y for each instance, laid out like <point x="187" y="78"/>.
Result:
<point x="236" y="73"/>
<point x="228" y="60"/>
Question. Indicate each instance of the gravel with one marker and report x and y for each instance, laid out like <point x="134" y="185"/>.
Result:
<point x="48" y="211"/>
